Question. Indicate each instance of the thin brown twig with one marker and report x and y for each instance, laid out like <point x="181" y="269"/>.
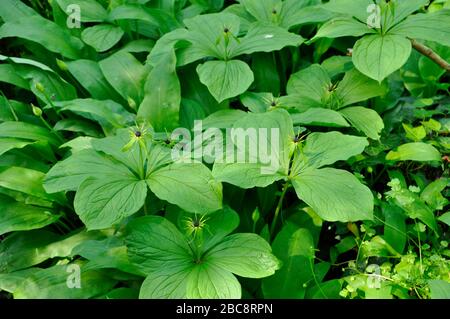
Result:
<point x="428" y="52"/>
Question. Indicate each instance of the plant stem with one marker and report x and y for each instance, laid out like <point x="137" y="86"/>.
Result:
<point x="142" y="163"/>
<point x="428" y="52"/>
<point x="60" y="138"/>
<point x="278" y="209"/>
<point x="10" y="107"/>
<point x="420" y="248"/>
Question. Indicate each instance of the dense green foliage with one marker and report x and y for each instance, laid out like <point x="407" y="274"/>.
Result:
<point x="98" y="199"/>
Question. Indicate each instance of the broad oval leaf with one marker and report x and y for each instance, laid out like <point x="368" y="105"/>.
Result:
<point x="102" y="37"/>
<point x="189" y="186"/>
<point x="335" y="195"/>
<point x="89" y="75"/>
<point x="161" y="104"/>
<point x="265" y="38"/>
<point x="426" y="27"/>
<point x="318" y="116"/>
<point x="67" y="175"/>
<point x="259" y="153"/>
<point x="378" y="56"/>
<point x="327" y="148"/>
<point x="51" y="283"/>
<point x="420" y="152"/>
<point x="101" y="203"/>
<point x="365" y="120"/>
<point x="295" y="248"/>
<point x="17" y="216"/>
<point x="342" y="27"/>
<point x="246" y="255"/>
<point x="155" y="244"/>
<point x="356" y="87"/>
<point x="208" y="281"/>
<point x="91" y="10"/>
<point x="27" y="131"/>
<point x="44" y="32"/>
<point x="225" y="79"/>
<point x="126" y="75"/>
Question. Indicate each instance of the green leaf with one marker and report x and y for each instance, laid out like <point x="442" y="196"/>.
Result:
<point x="126" y="75"/>
<point x="67" y="175"/>
<point x="13" y="10"/>
<point x="337" y="64"/>
<point x="432" y="193"/>
<point x="26" y="181"/>
<point x="102" y="37"/>
<point x="342" y="27"/>
<point x="10" y="282"/>
<point x="107" y="113"/>
<point x="395" y="226"/>
<point x="218" y="225"/>
<point x="258" y="102"/>
<point x="265" y="38"/>
<point x="89" y="75"/>
<point x="311" y="82"/>
<point x="415" y="134"/>
<point x="225" y="79"/>
<point x="331" y="193"/>
<point x="168" y="282"/>
<point x="378" y="56"/>
<point x="8" y="143"/>
<point x="403" y="9"/>
<point x="440" y="289"/>
<point x="161" y="104"/>
<point x="365" y="120"/>
<point x="17" y="216"/>
<point x="246" y="255"/>
<point x="44" y="32"/>
<point x="263" y="10"/>
<point x="445" y="218"/>
<point x="27" y="62"/>
<point x="326" y="290"/>
<point x="27" y="131"/>
<point x="106" y="253"/>
<point x="356" y="87"/>
<point x="90" y="10"/>
<point x="155" y="244"/>
<point x="166" y="44"/>
<point x="101" y="203"/>
<point x="78" y="125"/>
<point x="189" y="186"/>
<point x="323" y="149"/>
<point x="318" y="116"/>
<point x="204" y="281"/>
<point x="223" y="119"/>
<point x="51" y="283"/>
<point x="357" y="9"/>
<point x="159" y="18"/>
<point x="113" y="145"/>
<point x="8" y="75"/>
<point x="21" y="250"/>
<point x="426" y="27"/>
<point x="206" y="33"/>
<point x="420" y="152"/>
<point x="295" y="248"/>
<point x="208" y="281"/>
<point x="248" y="167"/>
<point x="295" y="13"/>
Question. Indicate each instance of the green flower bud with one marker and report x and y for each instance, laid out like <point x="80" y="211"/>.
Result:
<point x="131" y="103"/>
<point x="36" y="110"/>
<point x="39" y="87"/>
<point x="62" y="65"/>
<point x="256" y="215"/>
